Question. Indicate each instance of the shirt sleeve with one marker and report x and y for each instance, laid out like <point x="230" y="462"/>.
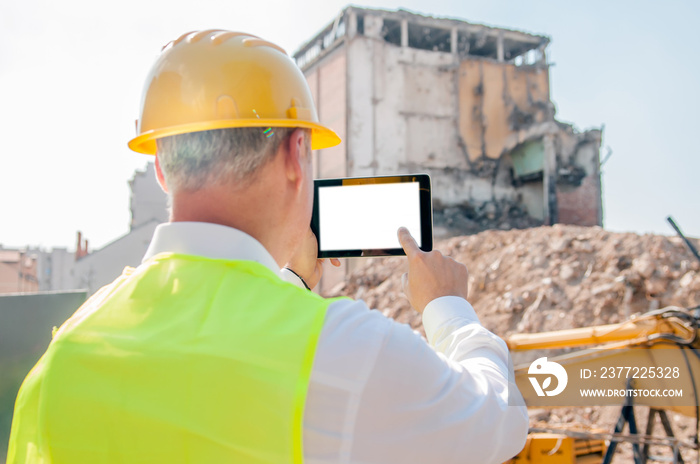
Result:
<point x="446" y="401"/>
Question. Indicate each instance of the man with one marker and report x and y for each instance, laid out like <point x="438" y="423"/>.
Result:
<point x="207" y="352"/>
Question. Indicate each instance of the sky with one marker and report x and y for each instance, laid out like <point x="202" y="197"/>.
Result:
<point x="72" y="72"/>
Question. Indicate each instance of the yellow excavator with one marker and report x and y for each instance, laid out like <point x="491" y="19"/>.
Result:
<point x="627" y="362"/>
<point x="617" y="357"/>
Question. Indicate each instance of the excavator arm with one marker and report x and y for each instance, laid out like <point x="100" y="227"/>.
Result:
<point x="666" y="337"/>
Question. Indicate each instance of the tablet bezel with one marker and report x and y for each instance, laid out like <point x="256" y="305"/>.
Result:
<point x="426" y="213"/>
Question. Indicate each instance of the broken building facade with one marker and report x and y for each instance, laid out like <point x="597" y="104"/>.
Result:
<point x="468" y="104"/>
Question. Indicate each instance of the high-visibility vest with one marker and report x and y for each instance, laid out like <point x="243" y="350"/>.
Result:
<point x="184" y="359"/>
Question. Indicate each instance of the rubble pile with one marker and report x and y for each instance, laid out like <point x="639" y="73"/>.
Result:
<point x="548" y="278"/>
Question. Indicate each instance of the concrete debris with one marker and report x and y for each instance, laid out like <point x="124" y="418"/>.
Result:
<point x="548" y="278"/>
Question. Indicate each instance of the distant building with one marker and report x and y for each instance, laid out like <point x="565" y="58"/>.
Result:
<point x="148" y="201"/>
<point x="55" y="269"/>
<point x="467" y="103"/>
<point x="102" y="266"/>
<point x="18" y="271"/>
<point x="148" y="209"/>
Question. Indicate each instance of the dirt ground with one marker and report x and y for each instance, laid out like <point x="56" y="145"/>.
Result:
<point x="552" y="278"/>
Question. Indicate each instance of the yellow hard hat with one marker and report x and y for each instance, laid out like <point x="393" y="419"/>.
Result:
<point x="218" y="79"/>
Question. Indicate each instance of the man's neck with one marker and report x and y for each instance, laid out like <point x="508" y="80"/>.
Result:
<point x="246" y="211"/>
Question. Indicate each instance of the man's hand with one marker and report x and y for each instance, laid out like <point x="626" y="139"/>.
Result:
<point x="305" y="261"/>
<point x="430" y="275"/>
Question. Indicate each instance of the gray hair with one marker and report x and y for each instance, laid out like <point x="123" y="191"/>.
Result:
<point x="190" y="161"/>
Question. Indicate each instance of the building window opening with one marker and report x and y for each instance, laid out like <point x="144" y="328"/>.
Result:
<point x="429" y="38"/>
<point x="531" y="57"/>
<point x="309" y="55"/>
<point x="483" y="45"/>
<point x="360" y="24"/>
<point x="334" y="34"/>
<point x="528" y="57"/>
<point x="528" y="162"/>
<point x="391" y="31"/>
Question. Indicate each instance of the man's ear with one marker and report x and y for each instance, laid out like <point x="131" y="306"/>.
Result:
<point x="159" y="176"/>
<point x="295" y="157"/>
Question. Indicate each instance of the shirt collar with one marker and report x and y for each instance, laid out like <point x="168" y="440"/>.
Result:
<point x="208" y="240"/>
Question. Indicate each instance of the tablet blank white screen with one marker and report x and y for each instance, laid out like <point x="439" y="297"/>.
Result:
<point x="363" y="217"/>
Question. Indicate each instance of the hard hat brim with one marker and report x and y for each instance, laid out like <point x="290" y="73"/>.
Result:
<point x="321" y="137"/>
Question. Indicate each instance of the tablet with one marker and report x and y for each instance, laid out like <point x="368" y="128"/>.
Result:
<point x="360" y="216"/>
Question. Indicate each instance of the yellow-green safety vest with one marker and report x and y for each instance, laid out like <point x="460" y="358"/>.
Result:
<point x="183" y="359"/>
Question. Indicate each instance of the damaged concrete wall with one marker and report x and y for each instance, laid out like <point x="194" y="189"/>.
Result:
<point x="463" y="122"/>
<point x="505" y="118"/>
<point x="327" y="81"/>
<point x="579" y="198"/>
<point x="496" y="102"/>
<point x="401" y="109"/>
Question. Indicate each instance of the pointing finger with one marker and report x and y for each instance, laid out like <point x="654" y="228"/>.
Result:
<point x="408" y="244"/>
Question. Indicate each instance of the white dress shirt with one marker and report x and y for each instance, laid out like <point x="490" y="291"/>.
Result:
<point x="379" y="393"/>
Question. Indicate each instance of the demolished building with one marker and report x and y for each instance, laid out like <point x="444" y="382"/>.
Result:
<point x="467" y="103"/>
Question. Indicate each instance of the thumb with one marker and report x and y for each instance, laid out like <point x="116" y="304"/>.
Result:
<point x="408" y="243"/>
